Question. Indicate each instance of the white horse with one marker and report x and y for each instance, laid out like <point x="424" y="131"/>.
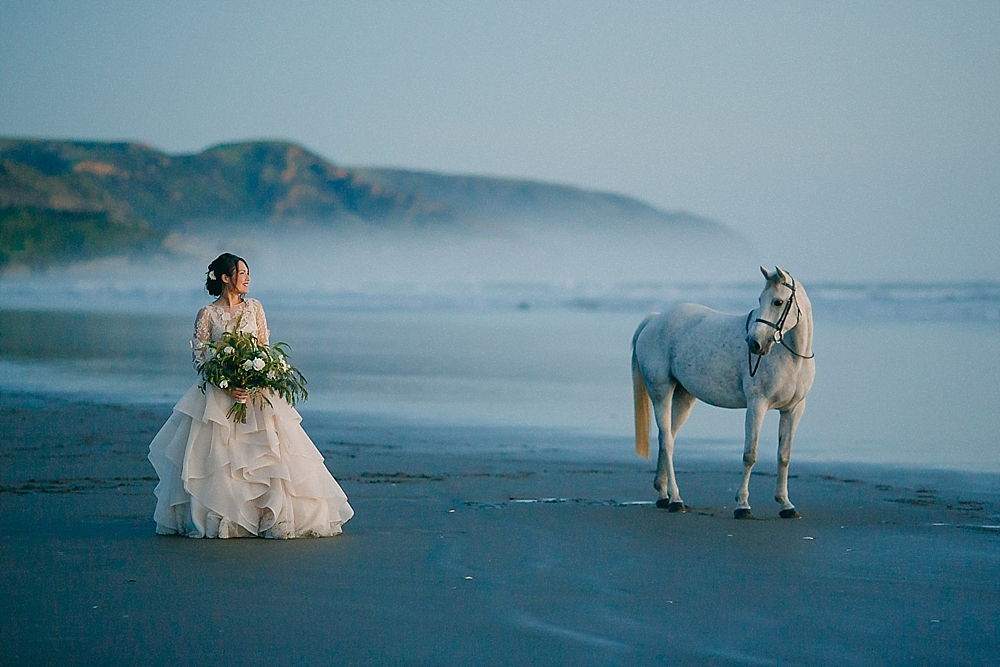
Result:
<point x="694" y="352"/>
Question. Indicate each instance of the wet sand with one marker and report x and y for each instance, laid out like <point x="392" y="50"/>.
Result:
<point x="526" y="556"/>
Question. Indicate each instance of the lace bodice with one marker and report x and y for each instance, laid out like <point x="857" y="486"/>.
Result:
<point x="212" y="321"/>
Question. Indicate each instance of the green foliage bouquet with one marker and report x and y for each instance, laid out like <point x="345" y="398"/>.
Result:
<point x="237" y="359"/>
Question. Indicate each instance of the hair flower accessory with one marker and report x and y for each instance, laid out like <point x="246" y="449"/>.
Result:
<point x="211" y="275"/>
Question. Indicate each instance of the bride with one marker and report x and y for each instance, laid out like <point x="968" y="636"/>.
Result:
<point x="222" y="479"/>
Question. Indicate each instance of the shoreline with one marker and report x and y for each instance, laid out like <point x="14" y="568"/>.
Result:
<point x="518" y="556"/>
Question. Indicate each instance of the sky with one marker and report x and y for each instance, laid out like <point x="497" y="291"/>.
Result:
<point x="845" y="141"/>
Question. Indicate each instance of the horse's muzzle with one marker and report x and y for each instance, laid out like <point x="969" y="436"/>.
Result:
<point x="757" y="348"/>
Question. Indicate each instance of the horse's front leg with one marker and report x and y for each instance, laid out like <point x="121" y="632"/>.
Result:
<point x="786" y="430"/>
<point x="755" y="418"/>
<point x="666" y="481"/>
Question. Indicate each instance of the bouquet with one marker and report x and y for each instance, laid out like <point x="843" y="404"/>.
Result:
<point x="239" y="360"/>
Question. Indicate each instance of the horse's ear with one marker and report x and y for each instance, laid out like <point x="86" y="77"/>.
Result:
<point x="767" y="275"/>
<point x="780" y="273"/>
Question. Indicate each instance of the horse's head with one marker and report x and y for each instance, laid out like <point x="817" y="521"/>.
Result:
<point x="776" y="313"/>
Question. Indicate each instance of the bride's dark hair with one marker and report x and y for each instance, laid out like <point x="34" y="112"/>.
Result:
<point x="225" y="264"/>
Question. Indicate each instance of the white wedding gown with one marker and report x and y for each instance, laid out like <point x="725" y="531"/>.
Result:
<point x="223" y="479"/>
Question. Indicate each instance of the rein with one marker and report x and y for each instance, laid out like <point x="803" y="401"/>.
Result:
<point x="777" y="326"/>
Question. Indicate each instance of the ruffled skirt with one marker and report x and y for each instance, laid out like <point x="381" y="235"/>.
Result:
<point x="222" y="479"/>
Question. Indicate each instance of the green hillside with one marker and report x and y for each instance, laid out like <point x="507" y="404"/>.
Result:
<point x="504" y="199"/>
<point x="62" y="200"/>
<point x="70" y="200"/>
<point x="34" y="237"/>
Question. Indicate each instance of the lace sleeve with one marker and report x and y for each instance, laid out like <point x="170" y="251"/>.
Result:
<point x="263" y="334"/>
<point x="202" y="335"/>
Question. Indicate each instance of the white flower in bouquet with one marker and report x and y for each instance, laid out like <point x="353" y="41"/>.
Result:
<point x="258" y="364"/>
<point x="223" y="384"/>
<point x="228" y="350"/>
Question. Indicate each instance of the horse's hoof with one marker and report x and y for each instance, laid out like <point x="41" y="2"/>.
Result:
<point x="742" y="513"/>
<point x="790" y="514"/>
<point x="675" y="506"/>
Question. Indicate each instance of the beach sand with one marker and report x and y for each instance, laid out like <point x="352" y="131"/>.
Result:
<point x="513" y="558"/>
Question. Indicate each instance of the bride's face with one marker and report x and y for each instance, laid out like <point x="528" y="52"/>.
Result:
<point x="240" y="281"/>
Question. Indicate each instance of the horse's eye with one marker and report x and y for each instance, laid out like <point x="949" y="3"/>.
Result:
<point x="778" y="303"/>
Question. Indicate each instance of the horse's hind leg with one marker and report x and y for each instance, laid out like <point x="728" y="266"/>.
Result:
<point x="680" y="409"/>
<point x="666" y="480"/>
<point x="786" y="430"/>
<point x="755" y="418"/>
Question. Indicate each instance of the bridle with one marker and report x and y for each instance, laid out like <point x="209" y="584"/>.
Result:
<point x="777" y="326"/>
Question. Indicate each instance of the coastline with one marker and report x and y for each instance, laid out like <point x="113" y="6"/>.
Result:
<point x="522" y="555"/>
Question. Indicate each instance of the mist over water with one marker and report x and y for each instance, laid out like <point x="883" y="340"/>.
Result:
<point x="631" y="268"/>
<point x="421" y="259"/>
<point x="398" y="267"/>
<point x="407" y="261"/>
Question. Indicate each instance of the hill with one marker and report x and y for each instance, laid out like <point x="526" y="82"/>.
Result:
<point x="64" y="200"/>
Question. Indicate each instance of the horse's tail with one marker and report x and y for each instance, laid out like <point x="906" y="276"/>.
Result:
<point x="642" y="402"/>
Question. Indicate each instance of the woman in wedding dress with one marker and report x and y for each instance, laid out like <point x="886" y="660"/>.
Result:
<point x="219" y="478"/>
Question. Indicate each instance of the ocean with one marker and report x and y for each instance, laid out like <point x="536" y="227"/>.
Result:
<point x="907" y="374"/>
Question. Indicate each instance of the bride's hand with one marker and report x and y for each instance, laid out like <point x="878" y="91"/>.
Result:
<point x="239" y="394"/>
